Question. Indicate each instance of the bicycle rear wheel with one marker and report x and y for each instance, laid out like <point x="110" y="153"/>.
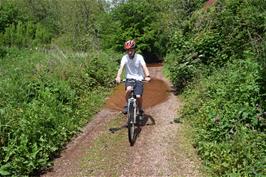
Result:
<point x="131" y="125"/>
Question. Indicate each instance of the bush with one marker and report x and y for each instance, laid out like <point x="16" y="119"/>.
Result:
<point x="26" y="35"/>
<point x="224" y="110"/>
<point x="181" y="73"/>
<point x="213" y="36"/>
<point x="45" y="101"/>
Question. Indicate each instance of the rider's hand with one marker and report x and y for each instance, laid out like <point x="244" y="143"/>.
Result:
<point x="147" y="79"/>
<point x="118" y="79"/>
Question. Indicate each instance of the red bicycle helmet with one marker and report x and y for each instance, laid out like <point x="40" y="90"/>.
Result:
<point x="131" y="44"/>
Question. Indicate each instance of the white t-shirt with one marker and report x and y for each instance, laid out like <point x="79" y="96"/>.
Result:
<point x="133" y="67"/>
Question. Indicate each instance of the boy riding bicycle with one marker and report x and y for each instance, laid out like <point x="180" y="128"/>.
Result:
<point x="134" y="66"/>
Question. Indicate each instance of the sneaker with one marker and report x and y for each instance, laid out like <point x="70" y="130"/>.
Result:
<point x="125" y="110"/>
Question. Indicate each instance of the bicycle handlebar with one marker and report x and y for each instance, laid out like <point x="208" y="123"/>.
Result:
<point x="124" y="80"/>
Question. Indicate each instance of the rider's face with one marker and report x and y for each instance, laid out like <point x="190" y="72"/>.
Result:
<point x="131" y="53"/>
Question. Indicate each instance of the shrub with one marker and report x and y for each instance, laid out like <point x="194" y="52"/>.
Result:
<point x="223" y="108"/>
<point x="26" y="35"/>
<point x="45" y="101"/>
<point x="213" y="36"/>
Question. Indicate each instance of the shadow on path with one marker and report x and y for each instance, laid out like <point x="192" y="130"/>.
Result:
<point x="140" y="123"/>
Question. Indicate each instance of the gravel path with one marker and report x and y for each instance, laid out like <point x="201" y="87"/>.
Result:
<point x="159" y="149"/>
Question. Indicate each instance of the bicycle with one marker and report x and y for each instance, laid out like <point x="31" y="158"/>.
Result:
<point x="133" y="115"/>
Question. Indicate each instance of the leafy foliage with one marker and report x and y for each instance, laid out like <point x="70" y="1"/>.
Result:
<point x="44" y="102"/>
<point x="26" y="35"/>
<point x="213" y="35"/>
<point x="41" y="20"/>
<point x="135" y="19"/>
<point x="2" y="52"/>
<point x="216" y="59"/>
<point x="215" y="55"/>
<point x="9" y="14"/>
<point x="228" y="120"/>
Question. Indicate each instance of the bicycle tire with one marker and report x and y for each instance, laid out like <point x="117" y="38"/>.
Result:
<point x="131" y="125"/>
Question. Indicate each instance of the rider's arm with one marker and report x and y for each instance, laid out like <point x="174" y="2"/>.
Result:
<point x="120" y="70"/>
<point x="146" y="71"/>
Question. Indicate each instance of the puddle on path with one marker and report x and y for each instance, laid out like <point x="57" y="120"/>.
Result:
<point x="155" y="92"/>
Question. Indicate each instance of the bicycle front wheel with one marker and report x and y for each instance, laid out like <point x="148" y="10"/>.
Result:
<point x="131" y="125"/>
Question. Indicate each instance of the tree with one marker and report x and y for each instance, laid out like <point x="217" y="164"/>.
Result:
<point x="134" y="19"/>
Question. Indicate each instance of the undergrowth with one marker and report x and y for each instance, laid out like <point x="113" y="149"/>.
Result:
<point x="224" y="109"/>
<point x="46" y="96"/>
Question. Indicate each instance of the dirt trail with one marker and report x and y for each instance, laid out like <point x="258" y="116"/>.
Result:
<point x="160" y="149"/>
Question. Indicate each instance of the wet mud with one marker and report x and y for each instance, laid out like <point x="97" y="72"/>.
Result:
<point x="156" y="91"/>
